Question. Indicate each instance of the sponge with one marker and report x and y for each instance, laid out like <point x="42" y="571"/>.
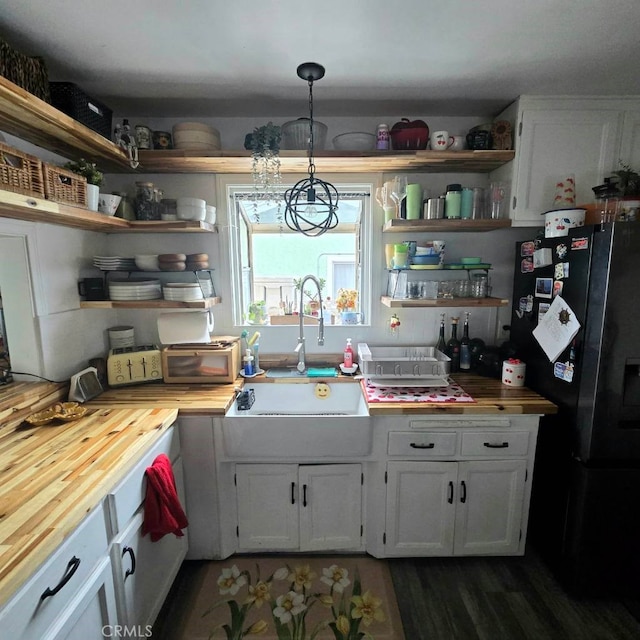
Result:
<point x="326" y="372"/>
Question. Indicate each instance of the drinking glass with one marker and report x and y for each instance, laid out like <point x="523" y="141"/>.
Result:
<point x="398" y="192"/>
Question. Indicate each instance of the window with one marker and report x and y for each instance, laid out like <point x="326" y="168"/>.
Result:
<point x="268" y="259"/>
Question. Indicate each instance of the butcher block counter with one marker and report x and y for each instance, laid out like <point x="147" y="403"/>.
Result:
<point x="490" y="397"/>
<point x="52" y="476"/>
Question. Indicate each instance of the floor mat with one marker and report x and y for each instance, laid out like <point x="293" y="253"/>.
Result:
<point x="294" y="597"/>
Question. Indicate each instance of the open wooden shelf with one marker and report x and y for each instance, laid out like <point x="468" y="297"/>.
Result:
<point x="32" y="119"/>
<point x="395" y="303"/>
<point x="31" y="209"/>
<point x="207" y="303"/>
<point x="184" y="161"/>
<point x="442" y="225"/>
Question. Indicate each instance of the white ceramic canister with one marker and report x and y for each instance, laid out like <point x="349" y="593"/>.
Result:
<point x="513" y="371"/>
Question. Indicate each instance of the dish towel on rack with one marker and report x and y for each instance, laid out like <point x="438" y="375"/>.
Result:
<point x="163" y="512"/>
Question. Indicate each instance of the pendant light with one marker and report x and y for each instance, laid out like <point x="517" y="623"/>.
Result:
<point x="310" y="205"/>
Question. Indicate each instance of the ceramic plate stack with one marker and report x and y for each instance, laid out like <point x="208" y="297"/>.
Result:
<point x="182" y="291"/>
<point x="196" y="135"/>
<point x="134" y="289"/>
<point x="114" y="263"/>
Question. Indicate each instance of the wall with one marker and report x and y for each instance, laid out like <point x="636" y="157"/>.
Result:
<point x="59" y="256"/>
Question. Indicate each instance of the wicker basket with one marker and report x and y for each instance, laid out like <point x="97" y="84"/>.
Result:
<point x="61" y="185"/>
<point x="20" y="172"/>
<point x="27" y="72"/>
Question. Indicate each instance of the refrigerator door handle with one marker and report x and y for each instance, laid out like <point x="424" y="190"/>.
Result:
<point x="490" y="445"/>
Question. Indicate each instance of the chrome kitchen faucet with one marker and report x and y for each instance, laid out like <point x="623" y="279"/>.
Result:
<point x="300" y="347"/>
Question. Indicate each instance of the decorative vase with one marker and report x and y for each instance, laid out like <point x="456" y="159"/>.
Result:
<point x="93" y="195"/>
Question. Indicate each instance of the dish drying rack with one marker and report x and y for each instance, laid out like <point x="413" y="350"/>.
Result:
<point x="407" y="366"/>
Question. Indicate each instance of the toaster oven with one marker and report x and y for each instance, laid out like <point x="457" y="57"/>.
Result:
<point x="133" y="365"/>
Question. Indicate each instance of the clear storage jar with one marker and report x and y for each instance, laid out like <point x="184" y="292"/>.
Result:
<point x="146" y="207"/>
<point x="480" y="285"/>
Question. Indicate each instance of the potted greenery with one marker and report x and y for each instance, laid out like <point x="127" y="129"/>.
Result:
<point x="264" y="144"/>
<point x="628" y="182"/>
<point x="94" y="178"/>
<point x="313" y="306"/>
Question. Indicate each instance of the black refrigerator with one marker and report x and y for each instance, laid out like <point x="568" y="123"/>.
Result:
<point x="585" y="508"/>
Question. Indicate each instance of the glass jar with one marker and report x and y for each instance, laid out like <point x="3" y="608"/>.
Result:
<point x="480" y="285"/>
<point x="146" y="207"/>
<point x="168" y="209"/>
<point x="452" y="201"/>
<point x="125" y="208"/>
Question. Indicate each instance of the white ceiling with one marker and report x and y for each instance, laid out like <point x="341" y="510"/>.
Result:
<point x="225" y="58"/>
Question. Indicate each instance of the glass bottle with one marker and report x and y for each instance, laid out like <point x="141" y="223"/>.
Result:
<point x="441" y="345"/>
<point x="453" y="346"/>
<point x="465" y="346"/>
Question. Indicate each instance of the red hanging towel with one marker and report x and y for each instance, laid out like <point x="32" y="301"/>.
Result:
<point x="163" y="512"/>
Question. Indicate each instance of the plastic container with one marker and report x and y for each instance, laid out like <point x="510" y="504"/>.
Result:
<point x="383" y="141"/>
<point x="348" y="355"/>
<point x="249" y="369"/>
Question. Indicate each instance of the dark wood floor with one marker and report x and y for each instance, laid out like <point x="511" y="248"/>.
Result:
<point x="469" y="599"/>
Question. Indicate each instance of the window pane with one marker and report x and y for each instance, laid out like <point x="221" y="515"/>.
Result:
<point x="271" y="258"/>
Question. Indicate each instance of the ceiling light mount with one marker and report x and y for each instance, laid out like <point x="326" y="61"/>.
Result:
<point x="310" y="71"/>
<point x="311" y="204"/>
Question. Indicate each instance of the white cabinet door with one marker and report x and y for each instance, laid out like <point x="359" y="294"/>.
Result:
<point x="267" y="502"/>
<point x="489" y="507"/>
<point x="299" y="508"/>
<point x="145" y="570"/>
<point x="331" y="507"/>
<point x="555" y="143"/>
<point x="92" y="613"/>
<point x="420" y="508"/>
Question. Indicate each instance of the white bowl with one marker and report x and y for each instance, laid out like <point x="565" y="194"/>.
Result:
<point x="191" y="212"/>
<point x="558" y="221"/>
<point x="210" y="216"/>
<point x="355" y="141"/>
<point x="197" y="202"/>
<point x="147" y="262"/>
<point x="108" y="203"/>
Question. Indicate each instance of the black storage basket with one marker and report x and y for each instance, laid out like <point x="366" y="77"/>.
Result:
<point x="70" y="99"/>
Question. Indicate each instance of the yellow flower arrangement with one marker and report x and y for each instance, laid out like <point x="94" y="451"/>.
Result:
<point x="347" y="300"/>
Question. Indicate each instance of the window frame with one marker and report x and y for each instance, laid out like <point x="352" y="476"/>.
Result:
<point x="244" y="184"/>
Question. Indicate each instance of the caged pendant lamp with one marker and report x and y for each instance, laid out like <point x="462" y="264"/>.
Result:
<point x="310" y="205"/>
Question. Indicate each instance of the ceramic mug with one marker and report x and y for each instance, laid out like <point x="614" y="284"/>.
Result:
<point x="440" y="140"/>
<point x="459" y="143"/>
<point x="351" y="317"/>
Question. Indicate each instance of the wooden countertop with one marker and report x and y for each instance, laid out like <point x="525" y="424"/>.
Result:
<point x="52" y="476"/>
<point x="490" y="395"/>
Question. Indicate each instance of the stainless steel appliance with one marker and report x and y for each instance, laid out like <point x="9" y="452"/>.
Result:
<point x="587" y="478"/>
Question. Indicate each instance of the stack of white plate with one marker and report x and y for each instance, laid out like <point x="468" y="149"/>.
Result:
<point x="196" y="135"/>
<point x="182" y="291"/>
<point x="134" y="289"/>
<point x="114" y="263"/>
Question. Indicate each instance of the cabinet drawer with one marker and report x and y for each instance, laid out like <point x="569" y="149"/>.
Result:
<point x="495" y="444"/>
<point x="27" y="615"/>
<point x="129" y="494"/>
<point x="427" y="444"/>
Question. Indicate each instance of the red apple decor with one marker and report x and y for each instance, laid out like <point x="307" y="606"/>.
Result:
<point x="409" y="135"/>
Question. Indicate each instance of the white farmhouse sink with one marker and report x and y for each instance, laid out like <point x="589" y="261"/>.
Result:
<point x="291" y="419"/>
<point x="304" y="399"/>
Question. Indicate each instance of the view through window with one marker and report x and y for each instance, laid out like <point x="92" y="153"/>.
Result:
<point x="269" y="260"/>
